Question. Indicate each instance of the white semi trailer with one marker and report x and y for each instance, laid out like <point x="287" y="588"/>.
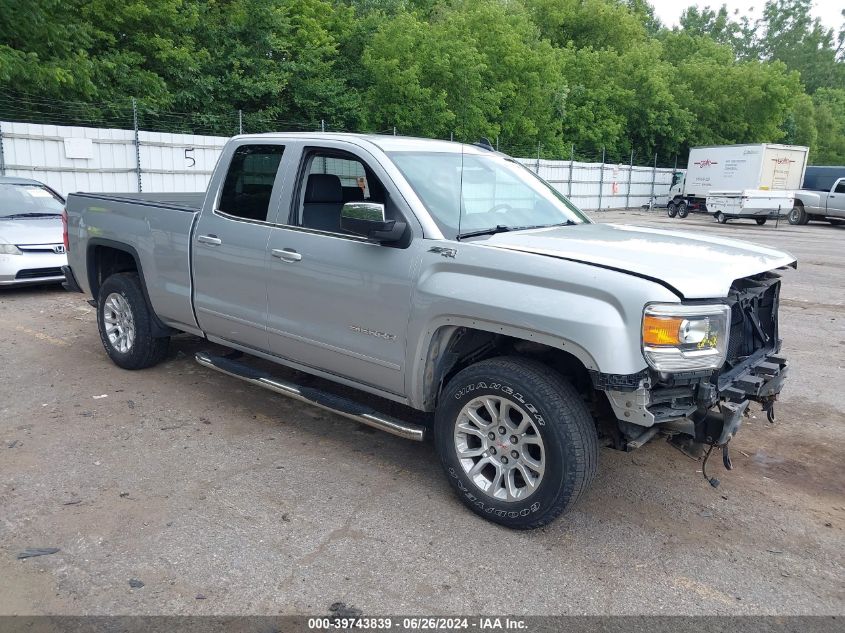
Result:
<point x="739" y="181"/>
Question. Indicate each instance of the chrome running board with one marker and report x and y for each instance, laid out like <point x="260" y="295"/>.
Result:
<point x="317" y="397"/>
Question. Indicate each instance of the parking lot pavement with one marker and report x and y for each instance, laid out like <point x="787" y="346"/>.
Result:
<point x="223" y="498"/>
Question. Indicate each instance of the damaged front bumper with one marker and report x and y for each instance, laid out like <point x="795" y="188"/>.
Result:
<point x="707" y="407"/>
<point x="707" y="412"/>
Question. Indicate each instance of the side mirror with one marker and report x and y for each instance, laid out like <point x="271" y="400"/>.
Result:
<point x="367" y="219"/>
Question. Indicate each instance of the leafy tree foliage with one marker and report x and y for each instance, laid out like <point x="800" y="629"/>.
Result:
<point x="596" y="74"/>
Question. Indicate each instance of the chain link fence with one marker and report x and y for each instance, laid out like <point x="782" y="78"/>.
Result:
<point x="76" y="146"/>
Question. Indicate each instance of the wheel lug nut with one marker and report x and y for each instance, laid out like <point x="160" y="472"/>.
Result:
<point x="491" y="435"/>
<point x="514" y="439"/>
<point x="492" y="451"/>
<point x="504" y="460"/>
<point x="501" y="430"/>
<point x="514" y="454"/>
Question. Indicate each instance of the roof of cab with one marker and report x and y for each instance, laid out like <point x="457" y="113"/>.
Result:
<point x="385" y="142"/>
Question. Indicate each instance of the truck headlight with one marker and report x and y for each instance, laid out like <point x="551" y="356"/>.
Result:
<point x="9" y="249"/>
<point x="685" y="337"/>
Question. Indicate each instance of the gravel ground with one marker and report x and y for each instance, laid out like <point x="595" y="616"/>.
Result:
<point x="222" y="498"/>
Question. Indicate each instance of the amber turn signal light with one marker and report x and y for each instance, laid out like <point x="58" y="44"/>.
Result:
<point x="660" y="330"/>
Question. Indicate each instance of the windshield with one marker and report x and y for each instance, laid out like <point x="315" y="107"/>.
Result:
<point x="493" y="193"/>
<point x="28" y="200"/>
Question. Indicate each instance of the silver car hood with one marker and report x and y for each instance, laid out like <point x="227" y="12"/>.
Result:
<point x="693" y="266"/>
<point x="31" y="231"/>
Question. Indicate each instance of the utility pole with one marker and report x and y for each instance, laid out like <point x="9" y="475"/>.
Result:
<point x="394" y="130"/>
<point x="2" y="154"/>
<point x="322" y="125"/>
<point x="571" y="167"/>
<point x="630" y="173"/>
<point x="240" y="121"/>
<point x="539" y="147"/>
<point x="137" y="142"/>
<point x="653" y="176"/>
<point x="601" y="177"/>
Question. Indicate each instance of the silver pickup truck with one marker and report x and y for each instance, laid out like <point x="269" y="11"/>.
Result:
<point x="449" y="278"/>
<point x="820" y="204"/>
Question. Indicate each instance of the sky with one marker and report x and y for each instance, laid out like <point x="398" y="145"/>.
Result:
<point x="669" y="11"/>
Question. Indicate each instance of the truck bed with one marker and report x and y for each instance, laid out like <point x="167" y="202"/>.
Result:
<point x="156" y="229"/>
<point x="191" y="200"/>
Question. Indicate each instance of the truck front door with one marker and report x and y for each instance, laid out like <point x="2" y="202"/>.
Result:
<point x="337" y="302"/>
<point x="230" y="245"/>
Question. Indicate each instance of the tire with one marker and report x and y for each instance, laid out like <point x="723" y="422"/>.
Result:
<point x="683" y="209"/>
<point x="559" y="434"/>
<point x="721" y="218"/>
<point x="798" y="216"/>
<point x="671" y="209"/>
<point x="760" y="221"/>
<point x="125" y="323"/>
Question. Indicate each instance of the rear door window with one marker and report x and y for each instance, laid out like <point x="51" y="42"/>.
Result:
<point x="249" y="181"/>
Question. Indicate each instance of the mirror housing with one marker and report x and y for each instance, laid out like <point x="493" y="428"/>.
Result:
<point x="368" y="220"/>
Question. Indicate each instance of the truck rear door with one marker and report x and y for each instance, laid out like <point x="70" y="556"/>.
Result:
<point x="230" y="243"/>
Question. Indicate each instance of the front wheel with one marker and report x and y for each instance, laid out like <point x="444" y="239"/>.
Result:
<point x="721" y="218"/>
<point x="683" y="209"/>
<point x="518" y="444"/>
<point x="671" y="209"/>
<point x="760" y="221"/>
<point x="125" y="323"/>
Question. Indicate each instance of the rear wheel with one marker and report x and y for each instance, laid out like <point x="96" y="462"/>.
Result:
<point x="125" y="323"/>
<point x="760" y="221"/>
<point x="798" y="215"/>
<point x="683" y="209"/>
<point x="671" y="209"/>
<point x="721" y="218"/>
<point x="518" y="444"/>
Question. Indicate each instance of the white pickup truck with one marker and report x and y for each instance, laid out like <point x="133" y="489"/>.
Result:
<point x="453" y="280"/>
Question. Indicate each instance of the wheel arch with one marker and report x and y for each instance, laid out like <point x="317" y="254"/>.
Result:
<point x="106" y="257"/>
<point x="455" y="342"/>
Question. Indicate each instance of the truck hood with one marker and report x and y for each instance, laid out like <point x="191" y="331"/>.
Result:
<point x="31" y="231"/>
<point x="694" y="267"/>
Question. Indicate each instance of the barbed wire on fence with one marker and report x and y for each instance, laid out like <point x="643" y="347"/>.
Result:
<point x="595" y="177"/>
<point x="125" y="115"/>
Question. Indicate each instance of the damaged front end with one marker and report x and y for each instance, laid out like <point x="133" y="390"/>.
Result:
<point x="703" y="408"/>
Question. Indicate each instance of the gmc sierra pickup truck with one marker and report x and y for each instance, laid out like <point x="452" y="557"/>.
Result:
<point x="450" y="278"/>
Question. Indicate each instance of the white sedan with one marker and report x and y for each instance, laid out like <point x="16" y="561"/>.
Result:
<point x="32" y="249"/>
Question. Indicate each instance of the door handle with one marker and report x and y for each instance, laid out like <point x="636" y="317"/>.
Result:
<point x="286" y="254"/>
<point x="213" y="240"/>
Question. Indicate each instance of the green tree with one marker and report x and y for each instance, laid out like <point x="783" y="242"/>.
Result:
<point x="793" y="36"/>
<point x="830" y="120"/>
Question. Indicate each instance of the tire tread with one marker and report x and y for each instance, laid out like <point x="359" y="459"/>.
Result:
<point x="571" y="415"/>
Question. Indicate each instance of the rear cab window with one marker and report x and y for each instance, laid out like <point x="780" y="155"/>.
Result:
<point x="249" y="181"/>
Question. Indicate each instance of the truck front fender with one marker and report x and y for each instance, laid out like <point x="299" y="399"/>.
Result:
<point x="592" y="313"/>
